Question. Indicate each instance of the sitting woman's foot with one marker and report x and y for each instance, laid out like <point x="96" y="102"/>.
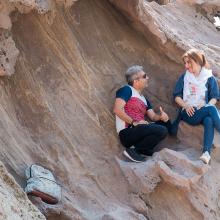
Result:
<point x="205" y="157"/>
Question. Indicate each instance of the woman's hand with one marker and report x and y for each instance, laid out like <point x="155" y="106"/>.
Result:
<point x="200" y="106"/>
<point x="190" y="110"/>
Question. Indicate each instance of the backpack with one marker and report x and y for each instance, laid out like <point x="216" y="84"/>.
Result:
<point x="41" y="183"/>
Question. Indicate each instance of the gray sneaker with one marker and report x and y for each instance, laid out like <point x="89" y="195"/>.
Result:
<point x="131" y="154"/>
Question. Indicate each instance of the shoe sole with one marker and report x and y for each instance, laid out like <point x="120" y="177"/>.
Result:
<point x="129" y="157"/>
<point x="204" y="160"/>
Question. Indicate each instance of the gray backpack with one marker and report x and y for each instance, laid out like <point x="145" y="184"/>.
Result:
<point x="41" y="183"/>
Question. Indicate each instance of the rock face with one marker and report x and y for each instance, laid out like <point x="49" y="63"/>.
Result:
<point x="176" y="26"/>
<point x="170" y="166"/>
<point x="8" y="53"/>
<point x="14" y="203"/>
<point x="56" y="109"/>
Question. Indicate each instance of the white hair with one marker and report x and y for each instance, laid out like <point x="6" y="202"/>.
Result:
<point x="132" y="72"/>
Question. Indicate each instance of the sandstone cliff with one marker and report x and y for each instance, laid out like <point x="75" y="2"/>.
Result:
<point x="62" y="62"/>
<point x="14" y="202"/>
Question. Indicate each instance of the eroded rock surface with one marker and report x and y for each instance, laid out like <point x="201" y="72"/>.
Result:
<point x="14" y="203"/>
<point x="8" y="53"/>
<point x="56" y="109"/>
<point x="176" y="26"/>
<point x="8" y="50"/>
<point x="172" y="167"/>
<point x="193" y="136"/>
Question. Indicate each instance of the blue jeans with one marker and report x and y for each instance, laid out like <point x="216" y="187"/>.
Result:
<point x="210" y="118"/>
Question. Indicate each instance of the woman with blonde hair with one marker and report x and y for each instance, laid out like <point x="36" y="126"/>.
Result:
<point x="197" y="92"/>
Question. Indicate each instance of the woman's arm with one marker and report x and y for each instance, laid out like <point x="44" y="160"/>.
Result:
<point x="189" y="109"/>
<point x="180" y="102"/>
<point x="178" y="89"/>
<point x="212" y="101"/>
<point x="213" y="91"/>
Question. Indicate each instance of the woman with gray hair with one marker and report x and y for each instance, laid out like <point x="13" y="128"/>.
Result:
<point x="138" y="136"/>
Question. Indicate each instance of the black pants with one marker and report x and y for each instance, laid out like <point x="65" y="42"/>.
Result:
<point x="145" y="137"/>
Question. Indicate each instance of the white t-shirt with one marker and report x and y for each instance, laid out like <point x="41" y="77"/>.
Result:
<point x="195" y="87"/>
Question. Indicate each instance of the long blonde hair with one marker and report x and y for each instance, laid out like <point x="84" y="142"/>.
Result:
<point x="198" y="56"/>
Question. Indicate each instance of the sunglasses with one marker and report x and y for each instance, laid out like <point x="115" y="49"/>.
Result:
<point x="142" y="77"/>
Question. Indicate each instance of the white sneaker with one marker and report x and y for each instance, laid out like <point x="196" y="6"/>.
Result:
<point x="205" y="157"/>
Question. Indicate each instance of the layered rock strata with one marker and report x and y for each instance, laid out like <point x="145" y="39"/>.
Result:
<point x="14" y="203"/>
<point x="56" y="109"/>
<point x="176" y="26"/>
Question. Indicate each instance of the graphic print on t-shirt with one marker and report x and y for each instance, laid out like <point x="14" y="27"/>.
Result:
<point x="196" y="94"/>
<point x="192" y="89"/>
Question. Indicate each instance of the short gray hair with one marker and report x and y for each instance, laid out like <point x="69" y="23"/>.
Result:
<point x="131" y="72"/>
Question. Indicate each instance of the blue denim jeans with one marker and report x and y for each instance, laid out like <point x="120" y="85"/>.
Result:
<point x="210" y="118"/>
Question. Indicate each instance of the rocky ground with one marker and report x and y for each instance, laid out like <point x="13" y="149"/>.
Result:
<point x="61" y="63"/>
<point x="14" y="203"/>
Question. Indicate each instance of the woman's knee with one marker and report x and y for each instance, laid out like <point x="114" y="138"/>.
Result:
<point x="208" y="121"/>
<point x="212" y="109"/>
